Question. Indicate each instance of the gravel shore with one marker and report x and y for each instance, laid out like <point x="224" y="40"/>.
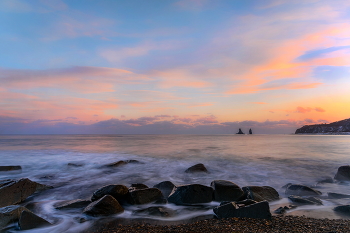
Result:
<point x="276" y="224"/>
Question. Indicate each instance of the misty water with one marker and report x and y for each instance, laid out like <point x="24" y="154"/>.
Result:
<point x="272" y="160"/>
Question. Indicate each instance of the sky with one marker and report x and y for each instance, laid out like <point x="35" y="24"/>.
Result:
<point x="172" y="66"/>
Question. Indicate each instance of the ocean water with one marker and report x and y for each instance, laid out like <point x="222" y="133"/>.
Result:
<point x="272" y="160"/>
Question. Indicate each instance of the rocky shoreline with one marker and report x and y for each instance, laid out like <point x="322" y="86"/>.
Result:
<point x="236" y="206"/>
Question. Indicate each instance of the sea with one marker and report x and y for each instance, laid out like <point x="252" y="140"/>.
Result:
<point x="262" y="160"/>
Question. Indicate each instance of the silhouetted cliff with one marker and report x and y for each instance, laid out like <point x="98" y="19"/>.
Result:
<point x="338" y="127"/>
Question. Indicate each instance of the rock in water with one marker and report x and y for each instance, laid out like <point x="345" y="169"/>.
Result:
<point x="344" y="209"/>
<point x="305" y="200"/>
<point x="338" y="195"/>
<point x="301" y="190"/>
<point x="231" y="210"/>
<point x="15" y="191"/>
<point x="29" y="220"/>
<point x="10" y="214"/>
<point x="226" y="190"/>
<point x="191" y="194"/>
<point x="261" y="193"/>
<point x="144" y="196"/>
<point x="137" y="186"/>
<point x="72" y="204"/>
<point x="156" y="211"/>
<point x="119" y="192"/>
<point x="197" y="168"/>
<point x="240" y="131"/>
<point x="343" y="173"/>
<point x="166" y="187"/>
<point x="10" y="168"/>
<point x="104" y="206"/>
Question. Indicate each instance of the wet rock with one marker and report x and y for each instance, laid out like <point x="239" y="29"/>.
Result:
<point x="226" y="190"/>
<point x="10" y="214"/>
<point x="197" y="168"/>
<point x="343" y="173"/>
<point x="156" y="211"/>
<point x="191" y="194"/>
<point x="75" y="164"/>
<point x="231" y="210"/>
<point x="325" y="180"/>
<point x="280" y="210"/>
<point x="16" y="191"/>
<point x="246" y="202"/>
<point x="166" y="187"/>
<point x="338" y="195"/>
<point x="144" y="196"/>
<point x="343" y="209"/>
<point x="72" y="204"/>
<point x="104" y="206"/>
<point x="10" y="168"/>
<point x="120" y="163"/>
<point x="29" y="220"/>
<point x="305" y="200"/>
<point x="261" y="193"/>
<point x="137" y="186"/>
<point x="301" y="190"/>
<point x="119" y="192"/>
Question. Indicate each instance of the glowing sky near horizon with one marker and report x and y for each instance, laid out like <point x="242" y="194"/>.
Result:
<point x="177" y="66"/>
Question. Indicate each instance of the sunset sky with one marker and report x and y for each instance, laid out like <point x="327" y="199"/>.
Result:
<point x="172" y="66"/>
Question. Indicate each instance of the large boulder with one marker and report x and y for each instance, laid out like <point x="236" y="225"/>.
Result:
<point x="137" y="186"/>
<point x="119" y="192"/>
<point x="166" y="187"/>
<point x="191" y="194"/>
<point x="29" y="220"/>
<point x="197" y="168"/>
<point x="144" y="196"/>
<point x="72" y="204"/>
<point x="305" y="200"/>
<point x="226" y="190"/>
<point x="10" y="168"/>
<point x="261" y="193"/>
<point x="15" y="191"/>
<point x="232" y="210"/>
<point x="343" y="173"/>
<point x="301" y="190"/>
<point x="10" y="214"/>
<point x="343" y="209"/>
<point x="104" y="206"/>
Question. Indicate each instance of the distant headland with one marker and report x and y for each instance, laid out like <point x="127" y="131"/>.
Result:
<point x="338" y="127"/>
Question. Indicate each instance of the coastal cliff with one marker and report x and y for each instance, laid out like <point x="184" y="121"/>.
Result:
<point x="338" y="127"/>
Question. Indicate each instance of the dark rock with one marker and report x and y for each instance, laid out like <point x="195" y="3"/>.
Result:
<point x="226" y="190"/>
<point x="231" y="210"/>
<point x="305" y="200"/>
<point x="166" y="187"/>
<point x="246" y="202"/>
<point x="191" y="194"/>
<point x="197" y="168"/>
<point x="324" y="180"/>
<point x="75" y="164"/>
<point x="338" y="127"/>
<point x="29" y="220"/>
<point x="144" y="196"/>
<point x="301" y="190"/>
<point x="137" y="186"/>
<point x="156" y="211"/>
<point x="10" y="214"/>
<point x="343" y="173"/>
<point x="104" y="206"/>
<point x="261" y="193"/>
<point x="286" y="185"/>
<point x="10" y="168"/>
<point x="121" y="163"/>
<point x="343" y="209"/>
<point x="72" y="204"/>
<point x="338" y="195"/>
<point x="280" y="210"/>
<point x="119" y="192"/>
<point x="16" y="191"/>
<point x="240" y="131"/>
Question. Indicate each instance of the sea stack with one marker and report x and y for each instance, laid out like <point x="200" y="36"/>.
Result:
<point x="250" y="131"/>
<point x="240" y="131"/>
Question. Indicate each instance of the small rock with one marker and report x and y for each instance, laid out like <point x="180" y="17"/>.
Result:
<point x="10" y="214"/>
<point x="144" y="196"/>
<point x="305" y="200"/>
<point x="104" y="206"/>
<point x="338" y="195"/>
<point x="121" y="163"/>
<point x="191" y="194"/>
<point x="166" y="187"/>
<point x="343" y="173"/>
<point x="261" y="193"/>
<point x="226" y="190"/>
<point x="156" y="211"/>
<point x="231" y="210"/>
<point x="197" y="168"/>
<point x="75" y="164"/>
<point x="29" y="220"/>
<point x="301" y="190"/>
<point x="10" y="168"/>
<point x="344" y="209"/>
<point x="72" y="204"/>
<point x="324" y="180"/>
<point x="280" y="210"/>
<point x="119" y="192"/>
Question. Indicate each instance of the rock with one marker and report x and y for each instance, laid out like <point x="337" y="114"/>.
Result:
<point x="121" y="163"/>
<point x="305" y="200"/>
<point x="119" y="192"/>
<point x="280" y="210"/>
<point x="75" y="164"/>
<point x="338" y="127"/>
<point x="144" y="196"/>
<point x="344" y="209"/>
<point x="156" y="211"/>
<point x="10" y="214"/>
<point x="137" y="186"/>
<point x="326" y="179"/>
<point x="72" y="204"/>
<point x="246" y="202"/>
<point x="226" y="190"/>
<point x="10" y="168"/>
<point x="29" y="220"/>
<point x="343" y="173"/>
<point x="261" y="193"/>
<point x="301" y="190"/>
<point x="16" y="191"/>
<point x="197" y="168"/>
<point x="191" y="194"/>
<point x="338" y="195"/>
<point x="231" y="210"/>
<point x="166" y="187"/>
<point x="104" y="206"/>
